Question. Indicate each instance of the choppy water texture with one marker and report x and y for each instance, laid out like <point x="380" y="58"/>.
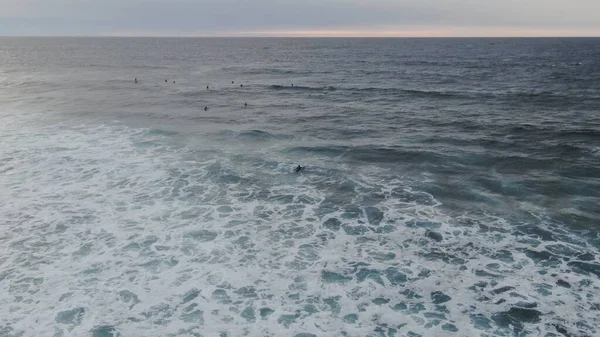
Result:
<point x="451" y="187"/>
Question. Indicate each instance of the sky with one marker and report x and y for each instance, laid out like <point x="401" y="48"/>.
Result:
<point x="388" y="18"/>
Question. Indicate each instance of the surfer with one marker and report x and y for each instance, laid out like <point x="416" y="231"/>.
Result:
<point x="299" y="169"/>
<point x="205" y="108"/>
<point x="245" y="104"/>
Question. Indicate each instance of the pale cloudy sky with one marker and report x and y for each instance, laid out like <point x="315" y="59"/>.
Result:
<point x="301" y="17"/>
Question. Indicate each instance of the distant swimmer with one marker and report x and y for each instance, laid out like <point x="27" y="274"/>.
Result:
<point x="245" y="104"/>
<point x="241" y="85"/>
<point x="205" y="108"/>
<point x="292" y="84"/>
<point x="207" y="87"/>
<point x="173" y="82"/>
<point x="232" y="82"/>
<point x="166" y="81"/>
<point x="299" y="169"/>
<point x="135" y="80"/>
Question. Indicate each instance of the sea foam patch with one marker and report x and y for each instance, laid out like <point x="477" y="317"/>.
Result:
<point x="113" y="231"/>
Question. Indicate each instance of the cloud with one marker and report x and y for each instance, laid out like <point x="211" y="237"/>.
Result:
<point x="239" y="17"/>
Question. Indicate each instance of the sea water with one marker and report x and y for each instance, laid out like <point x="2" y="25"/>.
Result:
<point x="451" y="187"/>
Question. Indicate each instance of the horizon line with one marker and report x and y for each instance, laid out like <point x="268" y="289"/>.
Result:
<point x="308" y="36"/>
<point x="341" y="32"/>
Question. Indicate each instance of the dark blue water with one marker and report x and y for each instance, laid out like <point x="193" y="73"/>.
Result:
<point x="451" y="187"/>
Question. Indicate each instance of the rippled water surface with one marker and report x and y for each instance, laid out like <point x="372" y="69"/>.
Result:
<point x="451" y="187"/>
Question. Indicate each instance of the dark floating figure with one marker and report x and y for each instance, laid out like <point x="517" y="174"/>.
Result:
<point x="205" y="108"/>
<point x="245" y="104"/>
<point x="232" y="82"/>
<point x="135" y="80"/>
<point x="299" y="169"/>
<point x="292" y="84"/>
<point x="207" y="87"/>
<point x="166" y="81"/>
<point x="241" y="85"/>
<point x="173" y="82"/>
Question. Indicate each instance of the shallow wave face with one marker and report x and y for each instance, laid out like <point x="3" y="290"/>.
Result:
<point x="114" y="231"/>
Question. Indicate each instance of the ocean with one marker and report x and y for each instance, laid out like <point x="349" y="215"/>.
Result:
<point x="451" y="187"/>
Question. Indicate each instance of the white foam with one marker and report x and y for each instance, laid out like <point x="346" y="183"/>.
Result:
<point x="92" y="215"/>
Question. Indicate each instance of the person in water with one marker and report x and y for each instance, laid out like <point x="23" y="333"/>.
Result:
<point x="173" y="82"/>
<point x="205" y="108"/>
<point x="207" y="87"/>
<point x="245" y="104"/>
<point x="166" y="81"/>
<point x="136" y="80"/>
<point x="241" y="85"/>
<point x="299" y="169"/>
